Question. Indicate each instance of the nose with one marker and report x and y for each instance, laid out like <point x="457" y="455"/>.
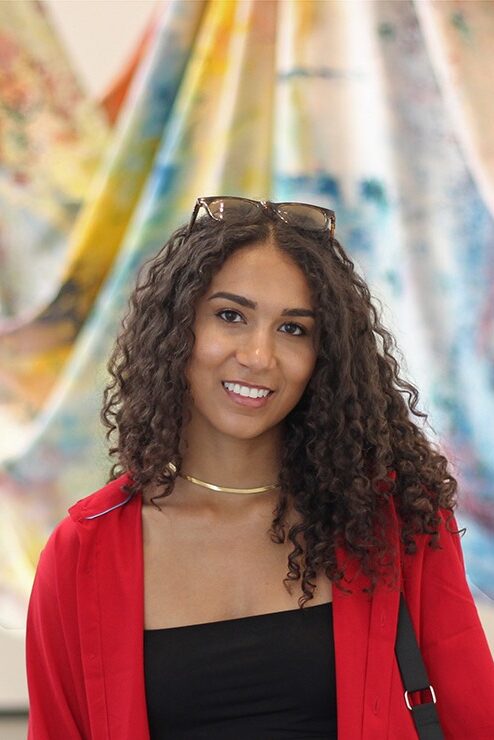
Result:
<point x="257" y="351"/>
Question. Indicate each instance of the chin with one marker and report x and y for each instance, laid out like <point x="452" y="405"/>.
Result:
<point x="242" y="433"/>
<point x="242" y="430"/>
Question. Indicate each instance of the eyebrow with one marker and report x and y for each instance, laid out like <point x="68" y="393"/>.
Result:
<point x="248" y="303"/>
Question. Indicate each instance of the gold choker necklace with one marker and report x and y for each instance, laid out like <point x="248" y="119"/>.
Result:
<point x="225" y="489"/>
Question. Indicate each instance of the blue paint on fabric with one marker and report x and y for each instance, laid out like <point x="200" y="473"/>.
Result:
<point x="386" y="31"/>
<point x="324" y="73"/>
<point x="373" y="190"/>
<point x="395" y="282"/>
<point x="294" y="186"/>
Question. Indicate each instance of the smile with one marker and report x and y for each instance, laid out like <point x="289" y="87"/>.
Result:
<point x="247" y="395"/>
<point x="245" y="391"/>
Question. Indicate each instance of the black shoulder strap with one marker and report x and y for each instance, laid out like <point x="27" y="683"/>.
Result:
<point x="414" y="677"/>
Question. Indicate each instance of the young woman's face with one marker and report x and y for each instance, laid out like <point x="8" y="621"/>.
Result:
<point x="255" y="331"/>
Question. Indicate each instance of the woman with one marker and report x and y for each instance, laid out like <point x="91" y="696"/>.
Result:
<point x="240" y="575"/>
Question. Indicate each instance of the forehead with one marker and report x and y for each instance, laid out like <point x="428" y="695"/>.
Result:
<point x="264" y="271"/>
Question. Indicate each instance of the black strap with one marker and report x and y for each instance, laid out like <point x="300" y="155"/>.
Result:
<point x="414" y="676"/>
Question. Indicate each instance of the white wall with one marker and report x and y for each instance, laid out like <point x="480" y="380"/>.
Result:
<point x="13" y="689"/>
<point x="100" y="35"/>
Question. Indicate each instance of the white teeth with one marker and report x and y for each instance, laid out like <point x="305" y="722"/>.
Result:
<point x="243" y="390"/>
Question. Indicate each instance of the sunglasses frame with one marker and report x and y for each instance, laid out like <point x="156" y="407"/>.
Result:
<point x="204" y="202"/>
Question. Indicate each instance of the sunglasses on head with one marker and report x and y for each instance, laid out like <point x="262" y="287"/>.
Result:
<point x="235" y="209"/>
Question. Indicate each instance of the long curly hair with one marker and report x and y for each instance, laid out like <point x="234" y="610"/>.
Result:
<point x="349" y="446"/>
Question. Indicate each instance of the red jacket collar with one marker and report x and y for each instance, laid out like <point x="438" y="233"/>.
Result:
<point x="108" y="498"/>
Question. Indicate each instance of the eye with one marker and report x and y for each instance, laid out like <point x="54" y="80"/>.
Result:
<point x="228" y="313"/>
<point x="230" y="316"/>
<point x="296" y="330"/>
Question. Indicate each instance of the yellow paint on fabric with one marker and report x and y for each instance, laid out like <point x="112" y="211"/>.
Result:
<point x="33" y="354"/>
<point x="227" y="98"/>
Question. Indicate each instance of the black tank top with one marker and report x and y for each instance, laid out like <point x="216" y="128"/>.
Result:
<point x="266" y="677"/>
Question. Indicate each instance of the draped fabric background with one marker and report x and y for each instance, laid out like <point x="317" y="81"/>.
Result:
<point x="381" y="110"/>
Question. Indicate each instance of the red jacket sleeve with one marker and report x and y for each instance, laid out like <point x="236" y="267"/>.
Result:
<point x="57" y="705"/>
<point x="452" y="640"/>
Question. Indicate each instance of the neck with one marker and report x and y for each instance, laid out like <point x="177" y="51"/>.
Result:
<point x="228" y="462"/>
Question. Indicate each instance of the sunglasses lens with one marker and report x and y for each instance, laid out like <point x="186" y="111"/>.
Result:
<point x="232" y="209"/>
<point x="235" y="210"/>
<point x="303" y="216"/>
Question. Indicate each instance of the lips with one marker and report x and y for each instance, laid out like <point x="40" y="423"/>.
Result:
<point x="247" y="401"/>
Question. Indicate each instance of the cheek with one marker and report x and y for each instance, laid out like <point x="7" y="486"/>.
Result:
<point x="209" y="350"/>
<point x="302" y="367"/>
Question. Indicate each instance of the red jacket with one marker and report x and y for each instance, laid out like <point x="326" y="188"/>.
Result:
<point x="86" y="620"/>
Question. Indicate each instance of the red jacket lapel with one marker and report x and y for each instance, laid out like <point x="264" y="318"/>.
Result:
<point x="112" y="618"/>
<point x="364" y="634"/>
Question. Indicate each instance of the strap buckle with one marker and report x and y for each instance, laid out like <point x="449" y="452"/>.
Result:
<point x="407" y="700"/>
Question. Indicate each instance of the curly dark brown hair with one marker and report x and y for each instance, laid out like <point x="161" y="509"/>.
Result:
<point x="351" y="428"/>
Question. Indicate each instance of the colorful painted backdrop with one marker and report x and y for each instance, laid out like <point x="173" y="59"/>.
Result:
<point x="381" y="110"/>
